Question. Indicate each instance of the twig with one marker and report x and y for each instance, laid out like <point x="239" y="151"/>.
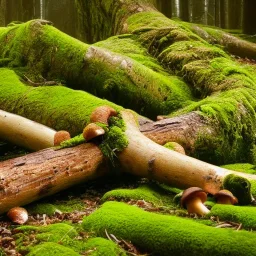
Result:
<point x="40" y="84"/>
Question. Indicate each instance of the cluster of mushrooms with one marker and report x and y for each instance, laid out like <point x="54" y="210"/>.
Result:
<point x="99" y="115"/>
<point x="193" y="200"/>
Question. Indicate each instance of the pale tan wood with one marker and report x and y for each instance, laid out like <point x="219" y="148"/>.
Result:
<point x="146" y="158"/>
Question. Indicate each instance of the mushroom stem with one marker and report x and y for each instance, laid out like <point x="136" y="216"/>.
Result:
<point x="26" y="133"/>
<point x="195" y="205"/>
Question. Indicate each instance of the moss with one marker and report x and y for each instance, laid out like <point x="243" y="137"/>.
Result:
<point x="49" y="249"/>
<point x="49" y="105"/>
<point x="100" y="246"/>
<point x="150" y="193"/>
<point x="59" y="233"/>
<point x="114" y="140"/>
<point x="79" y="139"/>
<point x="246" y="215"/>
<point x="68" y="205"/>
<point x="240" y="187"/>
<point x="2" y="253"/>
<point x="167" y="235"/>
<point x="42" y="208"/>
<point x="241" y="167"/>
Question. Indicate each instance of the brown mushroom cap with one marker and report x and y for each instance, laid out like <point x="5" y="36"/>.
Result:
<point x="92" y="130"/>
<point x="102" y="114"/>
<point x="61" y="136"/>
<point x="18" y="215"/>
<point x="192" y="192"/>
<point x="226" y="194"/>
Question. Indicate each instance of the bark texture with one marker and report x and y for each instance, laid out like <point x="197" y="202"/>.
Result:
<point x="43" y="173"/>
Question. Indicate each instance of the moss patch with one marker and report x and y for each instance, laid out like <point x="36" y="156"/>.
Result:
<point x="166" y="235"/>
<point x="150" y="193"/>
<point x="59" y="233"/>
<point x="100" y="246"/>
<point x="246" y="215"/>
<point x="49" y="249"/>
<point x="240" y="187"/>
<point x="114" y="140"/>
<point x="49" y="105"/>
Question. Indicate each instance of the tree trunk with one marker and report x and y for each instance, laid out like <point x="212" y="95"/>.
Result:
<point x="249" y="17"/>
<point x="2" y="12"/>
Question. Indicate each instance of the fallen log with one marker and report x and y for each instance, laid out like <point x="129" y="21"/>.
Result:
<point x="43" y="173"/>
<point x="28" y="178"/>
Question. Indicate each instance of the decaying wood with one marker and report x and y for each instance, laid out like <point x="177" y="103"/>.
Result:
<point x="36" y="175"/>
<point x="183" y="129"/>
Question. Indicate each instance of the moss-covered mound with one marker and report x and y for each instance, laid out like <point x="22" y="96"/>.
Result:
<point x="168" y="235"/>
<point x="49" y="249"/>
<point x="150" y="193"/>
<point x="246" y="215"/>
<point x="99" y="246"/>
<point x="49" y="105"/>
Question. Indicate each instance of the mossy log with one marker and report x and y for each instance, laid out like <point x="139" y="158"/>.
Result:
<point x="232" y="44"/>
<point x="167" y="235"/>
<point x="149" y="63"/>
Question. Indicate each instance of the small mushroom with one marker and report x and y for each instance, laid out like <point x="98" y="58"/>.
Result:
<point x="61" y="136"/>
<point x="224" y="196"/>
<point x="18" y="215"/>
<point x="193" y="199"/>
<point x="91" y="131"/>
<point x="102" y="114"/>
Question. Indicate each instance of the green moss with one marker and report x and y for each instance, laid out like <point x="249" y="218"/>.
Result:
<point x="68" y="205"/>
<point x="240" y="187"/>
<point x="42" y="208"/>
<point x="49" y="105"/>
<point x="167" y="235"/>
<point x="246" y="215"/>
<point x="103" y="247"/>
<point x="114" y="140"/>
<point x="150" y="193"/>
<point x="49" y="249"/>
<point x="2" y="253"/>
<point x="59" y="233"/>
<point x="79" y="139"/>
<point x="241" y="167"/>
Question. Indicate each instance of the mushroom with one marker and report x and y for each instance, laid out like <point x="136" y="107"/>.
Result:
<point x="102" y="114"/>
<point x="27" y="133"/>
<point x="224" y="196"/>
<point x="18" y="215"/>
<point x="91" y="131"/>
<point x="193" y="199"/>
<point x="60" y="136"/>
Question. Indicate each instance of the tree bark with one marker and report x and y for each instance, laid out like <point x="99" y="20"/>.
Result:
<point x="46" y="172"/>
